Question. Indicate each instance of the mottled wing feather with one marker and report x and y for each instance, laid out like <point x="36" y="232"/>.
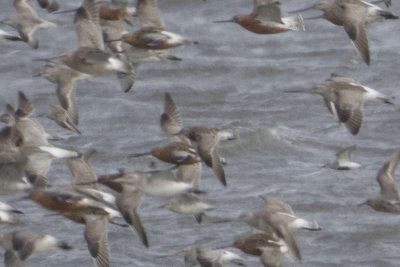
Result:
<point x="386" y="178"/>
<point x="190" y="174"/>
<point x="354" y="25"/>
<point x="345" y="154"/>
<point x="128" y="203"/>
<point x="269" y="12"/>
<point x="82" y="171"/>
<point x="349" y="107"/>
<point x="25" y="107"/>
<point x="217" y="167"/>
<point x="273" y="205"/>
<point x="66" y="93"/>
<point x="207" y="143"/>
<point x="149" y="14"/>
<point x="127" y="79"/>
<point x="354" y="122"/>
<point x="96" y="238"/>
<point x="171" y="121"/>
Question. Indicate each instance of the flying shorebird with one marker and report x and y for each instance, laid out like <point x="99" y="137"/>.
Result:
<point x="62" y="118"/>
<point x="207" y="139"/>
<point x="345" y="99"/>
<point x="128" y="200"/>
<point x="189" y="203"/>
<point x="353" y="15"/>
<point x="275" y="224"/>
<point x="389" y="200"/>
<point x="113" y="19"/>
<point x="208" y="257"/>
<point x="35" y="138"/>
<point x="343" y="160"/>
<point x="156" y="183"/>
<point x="152" y="34"/>
<point x="65" y="78"/>
<point x="177" y="153"/>
<point x="90" y="57"/>
<point x="20" y="245"/>
<point x="263" y="245"/>
<point x="83" y="203"/>
<point x="26" y="22"/>
<point x="275" y="205"/>
<point x="266" y="18"/>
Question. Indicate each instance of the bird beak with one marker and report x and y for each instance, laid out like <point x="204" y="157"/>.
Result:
<point x="317" y="17"/>
<point x="301" y="10"/>
<point x="66" y="11"/>
<point x="224" y="21"/>
<point x="361" y="204"/>
<point x="298" y="91"/>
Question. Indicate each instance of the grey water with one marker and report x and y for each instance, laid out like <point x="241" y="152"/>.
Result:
<point x="231" y="79"/>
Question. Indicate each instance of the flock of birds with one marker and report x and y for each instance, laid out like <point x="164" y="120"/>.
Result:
<point x="106" y="47"/>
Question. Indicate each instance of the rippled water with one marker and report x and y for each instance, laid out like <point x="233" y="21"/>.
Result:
<point x="232" y="79"/>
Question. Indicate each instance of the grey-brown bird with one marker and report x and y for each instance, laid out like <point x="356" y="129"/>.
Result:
<point x="353" y="15"/>
<point x="19" y="245"/>
<point x="35" y="138"/>
<point x="343" y="160"/>
<point x="269" y="249"/>
<point x="152" y="34"/>
<point x="189" y="203"/>
<point x="389" y="200"/>
<point x="345" y="98"/>
<point x="65" y="78"/>
<point x="275" y="205"/>
<point x="62" y="118"/>
<point x="26" y="22"/>
<point x="90" y="57"/>
<point x="83" y="203"/>
<point x="275" y="224"/>
<point x="266" y="18"/>
<point x="208" y="257"/>
<point x="128" y="200"/>
<point x="207" y="139"/>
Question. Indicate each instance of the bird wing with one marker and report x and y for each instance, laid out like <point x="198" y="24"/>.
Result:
<point x="128" y="203"/>
<point x="267" y="10"/>
<point x="82" y="172"/>
<point x="66" y="93"/>
<point x="345" y="154"/>
<point x="354" y="25"/>
<point x="149" y="14"/>
<point x="190" y="174"/>
<point x="87" y="25"/>
<point x="386" y="178"/>
<point x="171" y="121"/>
<point x="96" y="238"/>
<point x="349" y="106"/>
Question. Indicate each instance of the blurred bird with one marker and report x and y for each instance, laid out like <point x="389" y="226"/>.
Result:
<point x="19" y="245"/>
<point x="65" y="78"/>
<point x="389" y="200"/>
<point x="343" y="160"/>
<point x="353" y="15"/>
<point x="266" y="18"/>
<point x="345" y="99"/>
<point x="26" y="22"/>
